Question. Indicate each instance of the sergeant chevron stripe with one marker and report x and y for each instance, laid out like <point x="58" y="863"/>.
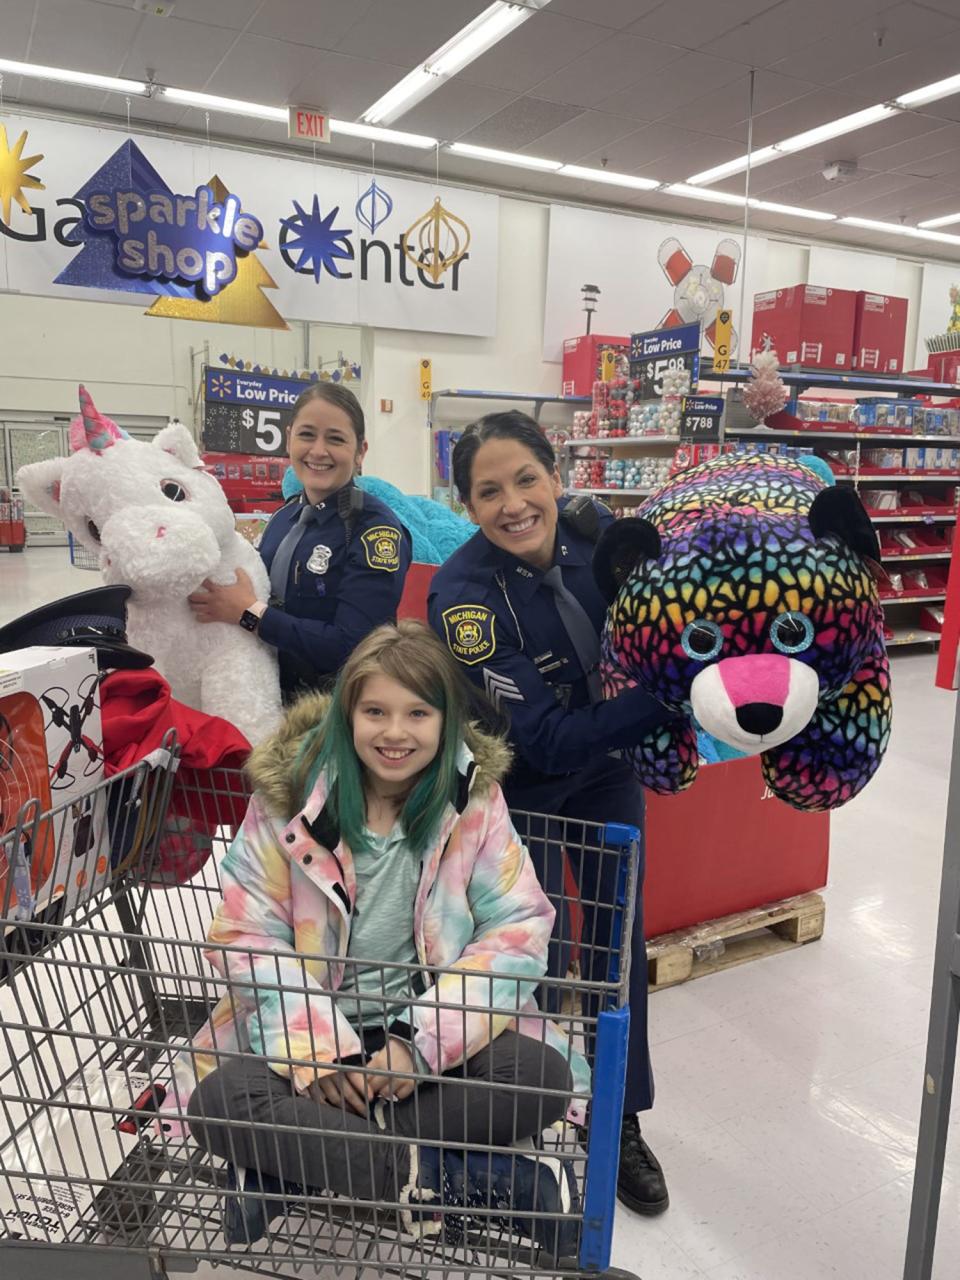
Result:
<point x="500" y="688"/>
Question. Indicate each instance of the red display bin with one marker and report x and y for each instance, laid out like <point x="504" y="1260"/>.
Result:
<point x="807" y="325"/>
<point x="581" y="360"/>
<point x="879" y="332"/>
<point x="416" y="588"/>
<point x="727" y="845"/>
<point x="13" y="534"/>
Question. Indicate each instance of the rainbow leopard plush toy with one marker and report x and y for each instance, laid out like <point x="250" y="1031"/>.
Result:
<point x="742" y="597"/>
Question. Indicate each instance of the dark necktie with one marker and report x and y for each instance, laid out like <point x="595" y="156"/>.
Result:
<point x="280" y="568"/>
<point x="577" y="624"/>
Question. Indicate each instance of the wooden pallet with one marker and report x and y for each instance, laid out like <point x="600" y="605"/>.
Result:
<point x="721" y="944"/>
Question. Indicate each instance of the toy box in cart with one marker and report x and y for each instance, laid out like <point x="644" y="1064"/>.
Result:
<point x="51" y="750"/>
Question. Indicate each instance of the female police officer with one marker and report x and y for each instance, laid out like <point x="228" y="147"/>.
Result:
<point x="518" y="606"/>
<point x="337" y="556"/>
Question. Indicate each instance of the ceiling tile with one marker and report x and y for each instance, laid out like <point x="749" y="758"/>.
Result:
<point x="788" y="28"/>
<point x="178" y="53"/>
<point x="545" y="44"/>
<point x="902" y="139"/>
<point x="930" y="167"/>
<point x="81" y="34"/>
<point x="693" y="23"/>
<point x="935" y="61"/>
<point x="521" y="123"/>
<point x="409" y="32"/>
<point x="17" y="25"/>
<point x="606" y="13"/>
<point x="654" y="143"/>
<point x="319" y="23"/>
<point x="453" y="109"/>
<point x="869" y="45"/>
<point x="726" y="111"/>
<point x="666" y="90"/>
<point x="585" y="135"/>
<point x="849" y="198"/>
<point x="616" y="63"/>
<point x="233" y="14"/>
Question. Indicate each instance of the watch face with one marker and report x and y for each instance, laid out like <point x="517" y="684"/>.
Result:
<point x="249" y="621"/>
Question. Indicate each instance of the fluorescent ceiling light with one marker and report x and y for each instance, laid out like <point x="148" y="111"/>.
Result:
<point x="234" y="106"/>
<point x="261" y="111"/>
<point x="832" y="129"/>
<point x="770" y="206"/>
<point x="930" y="92"/>
<point x="350" y="129"/>
<point x="697" y="193"/>
<point x="947" y="220"/>
<point x="835" y="128"/>
<point x="605" y="175"/>
<point x="65" y="76"/>
<point x="460" y="50"/>
<point x="901" y="229"/>
<point x="504" y="157"/>
<point x="728" y="197"/>
<point x="762" y="156"/>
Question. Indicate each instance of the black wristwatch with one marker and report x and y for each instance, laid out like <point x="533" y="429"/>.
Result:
<point x="250" y="618"/>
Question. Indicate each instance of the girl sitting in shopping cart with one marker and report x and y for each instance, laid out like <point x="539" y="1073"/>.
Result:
<point x="376" y="850"/>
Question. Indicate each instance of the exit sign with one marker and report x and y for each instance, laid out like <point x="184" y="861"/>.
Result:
<point x="308" y="123"/>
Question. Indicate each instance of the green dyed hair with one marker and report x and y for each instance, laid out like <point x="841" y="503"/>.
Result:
<point x="411" y="654"/>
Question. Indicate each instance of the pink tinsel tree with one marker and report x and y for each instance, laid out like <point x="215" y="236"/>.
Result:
<point x="765" y="393"/>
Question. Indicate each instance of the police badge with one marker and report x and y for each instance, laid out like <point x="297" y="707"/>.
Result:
<point x="319" y="561"/>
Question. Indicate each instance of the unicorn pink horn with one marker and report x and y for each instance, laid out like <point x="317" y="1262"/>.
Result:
<point x="92" y="430"/>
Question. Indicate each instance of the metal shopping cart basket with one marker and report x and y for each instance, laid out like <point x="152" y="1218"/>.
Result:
<point x="105" y="980"/>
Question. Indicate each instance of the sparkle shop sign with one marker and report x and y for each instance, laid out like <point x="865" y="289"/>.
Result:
<point x="208" y="233"/>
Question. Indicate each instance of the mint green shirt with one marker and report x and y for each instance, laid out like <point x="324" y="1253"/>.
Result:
<point x="381" y="933"/>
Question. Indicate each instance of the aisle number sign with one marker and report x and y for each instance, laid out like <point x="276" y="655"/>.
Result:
<point x="608" y="366"/>
<point x="722" y="337"/>
<point x="426" y="379"/>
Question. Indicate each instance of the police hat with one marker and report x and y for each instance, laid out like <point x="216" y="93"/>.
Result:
<point x="91" y="619"/>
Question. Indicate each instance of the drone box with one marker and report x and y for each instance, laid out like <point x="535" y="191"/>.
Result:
<point x="880" y="329"/>
<point x="581" y="360"/>
<point x="51" y="751"/>
<point x="808" y="325"/>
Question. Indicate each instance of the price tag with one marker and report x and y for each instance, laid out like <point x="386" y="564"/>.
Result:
<point x="722" y="337"/>
<point x="426" y="379"/>
<point x="700" y="419"/>
<point x="653" y="353"/>
<point x="247" y="412"/>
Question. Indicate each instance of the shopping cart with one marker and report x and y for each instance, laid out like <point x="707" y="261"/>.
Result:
<point x="103" y="983"/>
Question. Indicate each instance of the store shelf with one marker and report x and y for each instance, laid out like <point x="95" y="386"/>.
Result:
<point x="895" y="599"/>
<point x="537" y="397"/>
<point x="881" y="477"/>
<point x="906" y="437"/>
<point x="825" y="378"/>
<point x="623" y="493"/>
<point x="595" y="442"/>
<point x="909" y="635"/>
<point x="918" y="555"/>
<point x="911" y="517"/>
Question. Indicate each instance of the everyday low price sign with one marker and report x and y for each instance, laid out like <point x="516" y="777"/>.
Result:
<point x="247" y="412"/>
<point x="700" y="419"/>
<point x="653" y="354"/>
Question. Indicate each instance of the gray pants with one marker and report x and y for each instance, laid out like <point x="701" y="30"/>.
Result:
<point x="350" y="1156"/>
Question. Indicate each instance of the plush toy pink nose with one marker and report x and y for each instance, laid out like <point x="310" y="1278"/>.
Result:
<point x="761" y="677"/>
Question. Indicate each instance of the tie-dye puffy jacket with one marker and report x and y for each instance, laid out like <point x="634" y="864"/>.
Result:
<point x="280" y="935"/>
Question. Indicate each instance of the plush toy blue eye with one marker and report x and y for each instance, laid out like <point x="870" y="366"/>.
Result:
<point x="701" y="640"/>
<point x="791" y="632"/>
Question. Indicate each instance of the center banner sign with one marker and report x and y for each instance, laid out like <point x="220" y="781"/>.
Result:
<point x="208" y="233"/>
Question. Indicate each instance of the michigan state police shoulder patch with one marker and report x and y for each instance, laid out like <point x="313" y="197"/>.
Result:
<point x="381" y="546"/>
<point x="470" y="632"/>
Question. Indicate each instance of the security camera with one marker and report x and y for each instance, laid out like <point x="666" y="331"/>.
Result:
<point x="840" y="170"/>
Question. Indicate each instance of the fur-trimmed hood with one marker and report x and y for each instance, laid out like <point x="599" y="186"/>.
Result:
<point x="272" y="766"/>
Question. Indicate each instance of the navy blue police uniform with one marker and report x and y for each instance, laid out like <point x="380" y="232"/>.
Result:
<point x="500" y="619"/>
<point x="345" y="578"/>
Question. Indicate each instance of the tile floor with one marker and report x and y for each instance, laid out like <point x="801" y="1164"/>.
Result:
<point x="788" y="1089"/>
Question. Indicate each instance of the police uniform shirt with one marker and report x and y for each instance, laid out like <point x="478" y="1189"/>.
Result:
<point x="499" y="619"/>
<point x="346" y="577"/>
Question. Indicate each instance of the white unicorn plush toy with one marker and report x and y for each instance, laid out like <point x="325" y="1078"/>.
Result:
<point x="161" y="525"/>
